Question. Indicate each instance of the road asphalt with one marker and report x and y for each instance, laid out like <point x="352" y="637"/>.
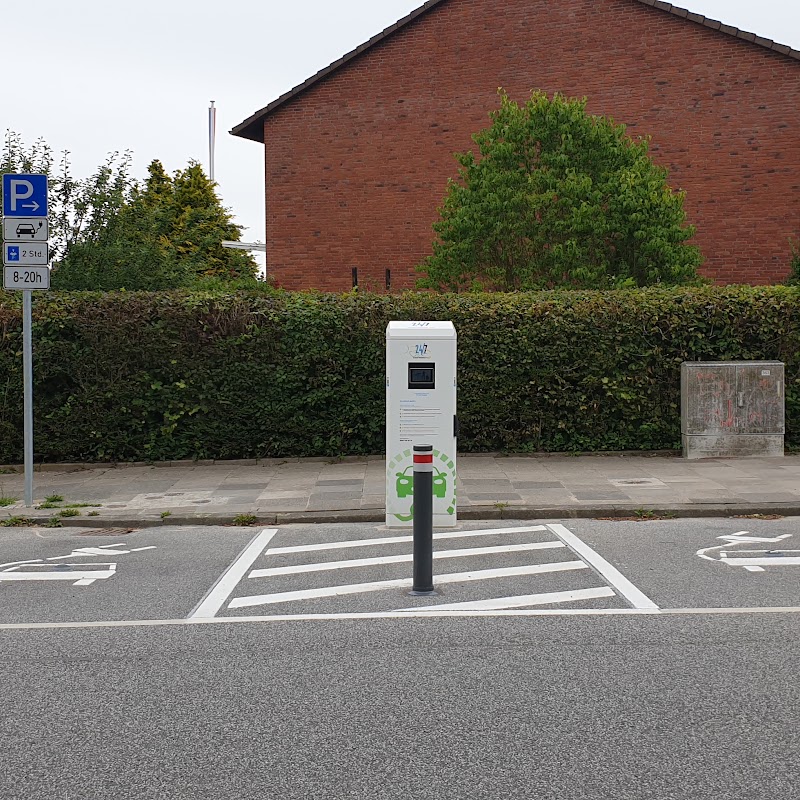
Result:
<point x="588" y="660"/>
<point x="491" y="486"/>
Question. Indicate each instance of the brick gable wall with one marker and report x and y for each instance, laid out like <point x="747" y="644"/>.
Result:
<point x="357" y="165"/>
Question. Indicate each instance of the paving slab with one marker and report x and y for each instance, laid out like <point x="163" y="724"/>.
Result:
<point x="490" y="487"/>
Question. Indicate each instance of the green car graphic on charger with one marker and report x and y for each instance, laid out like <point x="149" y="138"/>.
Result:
<point x="405" y="483"/>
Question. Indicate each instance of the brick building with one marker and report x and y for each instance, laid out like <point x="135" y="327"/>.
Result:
<point x="358" y="156"/>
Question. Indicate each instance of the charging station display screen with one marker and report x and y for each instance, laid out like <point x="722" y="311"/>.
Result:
<point x="422" y="376"/>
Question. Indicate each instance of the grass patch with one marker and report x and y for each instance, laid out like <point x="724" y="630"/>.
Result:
<point x="53" y="522"/>
<point x="69" y="512"/>
<point x="7" y="501"/>
<point x="93" y="514"/>
<point x="17" y="522"/>
<point x="640" y="515"/>
<point x="83" y="505"/>
<point x="244" y="520"/>
<point x="165" y="514"/>
<point x="54" y="498"/>
<point x="47" y="504"/>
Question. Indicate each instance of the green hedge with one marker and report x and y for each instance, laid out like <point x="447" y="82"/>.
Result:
<point x="163" y="376"/>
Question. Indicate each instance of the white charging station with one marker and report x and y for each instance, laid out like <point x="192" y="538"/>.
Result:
<point x="420" y="409"/>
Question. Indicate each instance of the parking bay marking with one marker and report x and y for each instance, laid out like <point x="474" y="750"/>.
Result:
<point x="183" y="622"/>
<point x="608" y="572"/>
<point x="221" y="590"/>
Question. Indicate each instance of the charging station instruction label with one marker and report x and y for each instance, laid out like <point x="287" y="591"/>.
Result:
<point x="418" y="421"/>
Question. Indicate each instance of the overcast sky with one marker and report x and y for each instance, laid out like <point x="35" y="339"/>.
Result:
<point x="94" y="76"/>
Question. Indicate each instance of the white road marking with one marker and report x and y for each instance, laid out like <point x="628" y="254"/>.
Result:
<point x="301" y="569"/>
<point x="311" y="548"/>
<point x="608" y="572"/>
<point x="376" y="586"/>
<point x="41" y="569"/>
<point x="767" y="561"/>
<point x="101" y="550"/>
<point x="221" y="590"/>
<point x="522" y="601"/>
<point x="394" y="615"/>
<point x="751" y="560"/>
<point x="743" y="536"/>
<point x="50" y="572"/>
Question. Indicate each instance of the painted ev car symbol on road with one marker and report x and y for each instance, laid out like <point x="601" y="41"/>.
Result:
<point x="732" y="554"/>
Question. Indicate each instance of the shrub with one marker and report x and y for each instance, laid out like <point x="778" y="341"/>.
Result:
<point x="559" y="198"/>
<point x="259" y="373"/>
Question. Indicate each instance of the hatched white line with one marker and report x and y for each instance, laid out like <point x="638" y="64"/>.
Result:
<point x="608" y="572"/>
<point x="521" y="601"/>
<point x="406" y="557"/>
<point x="221" y="590"/>
<point x="377" y="586"/>
<point x="310" y="548"/>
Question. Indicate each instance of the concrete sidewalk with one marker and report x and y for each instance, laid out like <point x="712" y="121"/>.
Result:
<point x="490" y="487"/>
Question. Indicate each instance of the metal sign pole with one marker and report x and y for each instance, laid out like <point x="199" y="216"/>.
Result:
<point x="27" y="377"/>
<point x="26" y="256"/>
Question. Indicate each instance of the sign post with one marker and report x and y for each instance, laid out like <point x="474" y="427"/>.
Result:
<point x="25" y="268"/>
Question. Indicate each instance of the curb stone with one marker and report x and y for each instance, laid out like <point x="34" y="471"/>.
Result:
<point x="470" y="513"/>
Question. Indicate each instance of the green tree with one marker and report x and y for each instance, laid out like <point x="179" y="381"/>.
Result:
<point x="167" y="234"/>
<point x="197" y="226"/>
<point x="109" y="231"/>
<point x="79" y="210"/>
<point x="556" y="198"/>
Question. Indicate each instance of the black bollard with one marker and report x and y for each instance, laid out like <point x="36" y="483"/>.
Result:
<point x="423" y="520"/>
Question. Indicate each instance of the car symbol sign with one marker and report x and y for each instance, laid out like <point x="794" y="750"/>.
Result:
<point x="25" y="229"/>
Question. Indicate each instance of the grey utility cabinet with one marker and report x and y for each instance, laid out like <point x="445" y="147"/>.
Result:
<point x="732" y="408"/>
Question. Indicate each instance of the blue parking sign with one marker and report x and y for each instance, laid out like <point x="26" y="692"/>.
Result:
<point x="25" y="195"/>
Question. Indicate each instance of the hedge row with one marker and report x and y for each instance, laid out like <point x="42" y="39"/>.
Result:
<point x="140" y="376"/>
